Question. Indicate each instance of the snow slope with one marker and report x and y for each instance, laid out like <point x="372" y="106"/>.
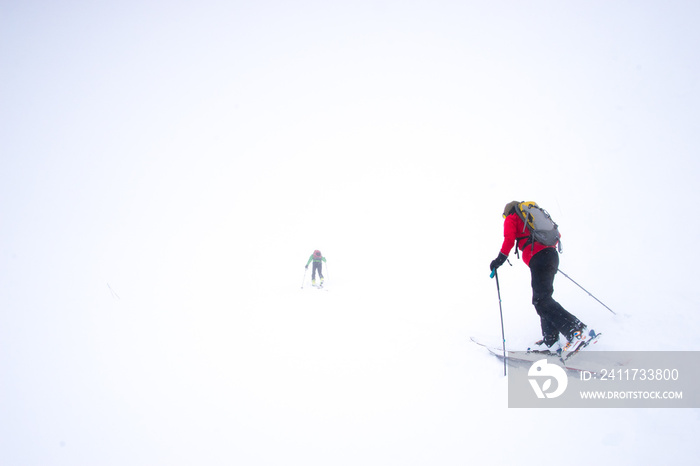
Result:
<point x="368" y="372"/>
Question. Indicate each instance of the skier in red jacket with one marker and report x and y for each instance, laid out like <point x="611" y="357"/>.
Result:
<point x="543" y="262"/>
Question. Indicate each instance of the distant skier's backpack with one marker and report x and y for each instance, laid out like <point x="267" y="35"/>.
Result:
<point x="539" y="226"/>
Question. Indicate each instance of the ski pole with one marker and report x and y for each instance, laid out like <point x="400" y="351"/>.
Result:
<point x="500" y="307"/>
<point x="589" y="294"/>
<point x="304" y="279"/>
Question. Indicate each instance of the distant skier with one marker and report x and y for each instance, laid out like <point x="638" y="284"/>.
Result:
<point x="544" y="264"/>
<point x="317" y="258"/>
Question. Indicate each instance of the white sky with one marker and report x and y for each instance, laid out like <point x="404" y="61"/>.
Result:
<point x="188" y="156"/>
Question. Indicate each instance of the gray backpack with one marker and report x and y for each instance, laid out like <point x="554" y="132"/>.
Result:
<point x="539" y="225"/>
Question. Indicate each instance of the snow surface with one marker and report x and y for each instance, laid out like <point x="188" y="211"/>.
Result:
<point x="166" y="172"/>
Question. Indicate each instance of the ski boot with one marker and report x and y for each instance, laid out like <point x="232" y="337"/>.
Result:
<point x="540" y="347"/>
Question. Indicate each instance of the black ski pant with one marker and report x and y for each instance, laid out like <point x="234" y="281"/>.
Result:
<point x="317" y="266"/>
<point x="553" y="317"/>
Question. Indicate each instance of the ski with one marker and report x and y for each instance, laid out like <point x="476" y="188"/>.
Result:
<point x="521" y="358"/>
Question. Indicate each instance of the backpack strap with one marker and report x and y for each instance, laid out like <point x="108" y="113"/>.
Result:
<point x="527" y="243"/>
<point x="526" y="229"/>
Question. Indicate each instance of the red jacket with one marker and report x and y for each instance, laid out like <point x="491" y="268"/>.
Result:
<point x="513" y="228"/>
